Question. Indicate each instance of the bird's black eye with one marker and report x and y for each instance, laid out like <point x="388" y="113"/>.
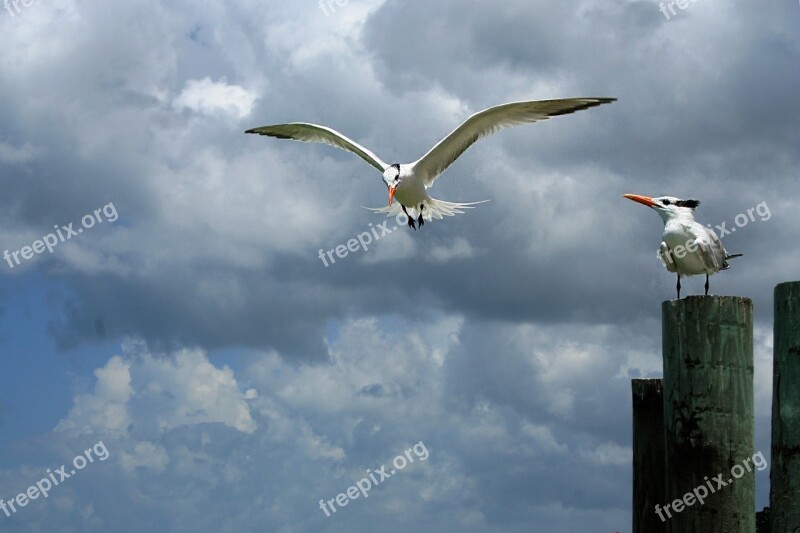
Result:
<point x="665" y="202"/>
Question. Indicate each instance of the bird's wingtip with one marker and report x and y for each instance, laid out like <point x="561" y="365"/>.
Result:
<point x="601" y="99"/>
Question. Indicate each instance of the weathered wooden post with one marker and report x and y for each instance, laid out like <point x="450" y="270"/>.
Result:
<point x="762" y="520"/>
<point x="784" y="495"/>
<point x="648" y="454"/>
<point x="708" y="414"/>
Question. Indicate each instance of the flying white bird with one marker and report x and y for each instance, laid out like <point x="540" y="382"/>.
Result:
<point x="408" y="182"/>
<point x="688" y="248"/>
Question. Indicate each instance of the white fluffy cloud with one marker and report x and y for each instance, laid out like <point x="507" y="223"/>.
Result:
<point x="210" y="97"/>
<point x="262" y="444"/>
<point x="157" y="394"/>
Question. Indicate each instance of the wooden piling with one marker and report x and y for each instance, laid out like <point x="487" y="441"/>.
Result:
<point x="784" y="476"/>
<point x="708" y="413"/>
<point x="648" y="454"/>
<point x="762" y="520"/>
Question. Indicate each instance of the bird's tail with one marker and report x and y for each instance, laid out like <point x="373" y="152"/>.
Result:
<point x="433" y="208"/>
<point x="725" y="265"/>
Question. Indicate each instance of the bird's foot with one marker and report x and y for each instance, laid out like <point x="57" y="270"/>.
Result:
<point x="410" y="220"/>
<point x="420" y="220"/>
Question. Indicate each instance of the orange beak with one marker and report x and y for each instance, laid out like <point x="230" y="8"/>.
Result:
<point x="392" y="190"/>
<point x="644" y="200"/>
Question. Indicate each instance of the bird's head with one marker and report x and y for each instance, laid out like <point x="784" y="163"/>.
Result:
<point x="668" y="207"/>
<point x="392" y="178"/>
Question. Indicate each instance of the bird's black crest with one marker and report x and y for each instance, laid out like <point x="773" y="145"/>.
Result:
<point x="688" y="203"/>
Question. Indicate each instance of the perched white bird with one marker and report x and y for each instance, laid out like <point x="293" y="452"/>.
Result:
<point x="408" y="182"/>
<point x="688" y="248"/>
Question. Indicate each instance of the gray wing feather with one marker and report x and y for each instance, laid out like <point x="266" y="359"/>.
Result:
<point x="665" y="255"/>
<point x="489" y="121"/>
<point x="303" y="131"/>
<point x="712" y="253"/>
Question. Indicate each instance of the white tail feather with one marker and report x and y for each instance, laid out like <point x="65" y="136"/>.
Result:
<point x="433" y="209"/>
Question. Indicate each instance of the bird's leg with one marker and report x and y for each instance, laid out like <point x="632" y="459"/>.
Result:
<point x="410" y="220"/>
<point x="706" y="284"/>
<point x="679" y="286"/>
<point x="420" y="220"/>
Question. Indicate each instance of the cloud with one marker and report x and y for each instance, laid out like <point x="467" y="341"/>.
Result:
<point x="266" y="442"/>
<point x="504" y="338"/>
<point x="254" y="212"/>
<point x="10" y="154"/>
<point x="210" y="97"/>
<point x="106" y="410"/>
<point x="459" y="249"/>
<point x="148" y="394"/>
<point x="145" y="455"/>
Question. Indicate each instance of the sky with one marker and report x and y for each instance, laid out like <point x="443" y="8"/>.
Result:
<point x="176" y="340"/>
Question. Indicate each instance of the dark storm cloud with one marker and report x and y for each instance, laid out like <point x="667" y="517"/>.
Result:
<point x="694" y="117"/>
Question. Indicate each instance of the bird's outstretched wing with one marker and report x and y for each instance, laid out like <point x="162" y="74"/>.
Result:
<point x="302" y="131"/>
<point x="491" y="120"/>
